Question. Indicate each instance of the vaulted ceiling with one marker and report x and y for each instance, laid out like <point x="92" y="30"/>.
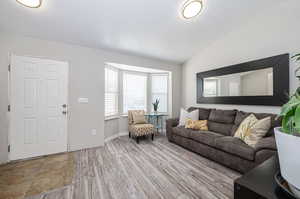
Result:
<point x="151" y="28"/>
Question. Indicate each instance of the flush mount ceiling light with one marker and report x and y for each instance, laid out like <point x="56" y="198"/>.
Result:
<point x="30" y="3"/>
<point x="191" y="8"/>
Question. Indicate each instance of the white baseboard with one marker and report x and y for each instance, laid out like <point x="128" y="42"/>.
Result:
<point x="116" y="136"/>
<point x="123" y="133"/>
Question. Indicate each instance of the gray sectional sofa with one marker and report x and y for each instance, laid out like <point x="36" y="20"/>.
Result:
<point x="218" y="143"/>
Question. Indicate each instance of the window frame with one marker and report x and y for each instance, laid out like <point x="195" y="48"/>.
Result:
<point x="117" y="113"/>
<point x="123" y="73"/>
<point x="167" y="94"/>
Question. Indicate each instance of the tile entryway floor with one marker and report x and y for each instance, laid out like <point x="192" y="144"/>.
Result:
<point x="31" y="177"/>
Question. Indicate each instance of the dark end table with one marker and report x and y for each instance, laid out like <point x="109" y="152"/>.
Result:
<point x="259" y="183"/>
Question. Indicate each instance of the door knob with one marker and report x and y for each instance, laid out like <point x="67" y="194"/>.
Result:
<point x="64" y="106"/>
<point x="64" y="112"/>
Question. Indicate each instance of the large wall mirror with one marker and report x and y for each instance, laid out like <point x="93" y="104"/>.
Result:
<point x="260" y="82"/>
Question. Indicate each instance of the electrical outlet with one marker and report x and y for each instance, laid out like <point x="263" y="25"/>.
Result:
<point x="94" y="132"/>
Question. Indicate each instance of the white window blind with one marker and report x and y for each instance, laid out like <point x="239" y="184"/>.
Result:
<point x="111" y="92"/>
<point x="134" y="92"/>
<point x="160" y="91"/>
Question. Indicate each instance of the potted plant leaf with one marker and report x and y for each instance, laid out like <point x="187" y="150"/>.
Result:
<point x="155" y="105"/>
<point x="288" y="139"/>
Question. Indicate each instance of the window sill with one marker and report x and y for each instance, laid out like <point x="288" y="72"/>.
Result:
<point x="112" y="118"/>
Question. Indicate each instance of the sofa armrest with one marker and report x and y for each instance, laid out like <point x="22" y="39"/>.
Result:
<point x="170" y="123"/>
<point x="266" y="143"/>
<point x="264" y="149"/>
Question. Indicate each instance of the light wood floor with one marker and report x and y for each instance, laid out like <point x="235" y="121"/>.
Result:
<point x="159" y="169"/>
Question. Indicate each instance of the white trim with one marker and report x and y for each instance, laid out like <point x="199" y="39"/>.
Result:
<point x="111" y="138"/>
<point x="114" y="117"/>
<point x="123" y="133"/>
<point x="115" y="136"/>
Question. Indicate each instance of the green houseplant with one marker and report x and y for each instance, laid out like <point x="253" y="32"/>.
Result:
<point x="155" y="105"/>
<point x="288" y="138"/>
<point x="290" y="113"/>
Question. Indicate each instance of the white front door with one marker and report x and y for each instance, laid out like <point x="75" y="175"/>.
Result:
<point x="39" y="98"/>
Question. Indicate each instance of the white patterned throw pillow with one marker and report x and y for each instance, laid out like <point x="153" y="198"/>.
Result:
<point x="184" y="115"/>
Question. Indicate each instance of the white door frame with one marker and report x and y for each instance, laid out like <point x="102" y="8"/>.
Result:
<point x="9" y="99"/>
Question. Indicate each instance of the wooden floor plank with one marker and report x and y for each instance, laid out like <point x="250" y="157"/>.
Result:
<point x="159" y="169"/>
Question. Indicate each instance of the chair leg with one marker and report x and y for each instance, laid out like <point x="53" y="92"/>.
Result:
<point x="129" y="134"/>
<point x="137" y="139"/>
<point x="152" y="136"/>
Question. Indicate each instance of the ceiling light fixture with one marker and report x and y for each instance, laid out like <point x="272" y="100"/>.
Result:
<point x="30" y="3"/>
<point x="191" y="8"/>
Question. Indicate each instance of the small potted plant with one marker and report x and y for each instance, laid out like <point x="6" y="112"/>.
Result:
<point x="155" y="105"/>
<point x="288" y="139"/>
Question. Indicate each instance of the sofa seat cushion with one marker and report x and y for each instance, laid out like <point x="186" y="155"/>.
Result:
<point x="182" y="131"/>
<point x="236" y="147"/>
<point x="205" y="137"/>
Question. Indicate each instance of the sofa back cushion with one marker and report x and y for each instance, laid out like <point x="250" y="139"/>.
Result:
<point x="221" y="128"/>
<point x="203" y="112"/>
<point x="221" y="121"/>
<point x="241" y="115"/>
<point x="222" y="116"/>
<point x="226" y="122"/>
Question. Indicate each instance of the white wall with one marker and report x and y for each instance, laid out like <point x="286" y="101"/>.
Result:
<point x="114" y="127"/>
<point x="86" y="79"/>
<point x="273" y="32"/>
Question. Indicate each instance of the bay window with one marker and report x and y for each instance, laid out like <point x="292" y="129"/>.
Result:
<point x="111" y="92"/>
<point x="134" y="91"/>
<point x="159" y="90"/>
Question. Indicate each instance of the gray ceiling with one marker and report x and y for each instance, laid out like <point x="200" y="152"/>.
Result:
<point x="150" y="28"/>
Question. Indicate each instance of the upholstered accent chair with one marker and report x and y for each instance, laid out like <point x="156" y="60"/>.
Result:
<point x="139" y="127"/>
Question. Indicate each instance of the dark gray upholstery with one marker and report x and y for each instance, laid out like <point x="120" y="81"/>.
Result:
<point x="181" y="131"/>
<point x="219" y="144"/>
<point x="224" y="129"/>
<point x="222" y="116"/>
<point x="205" y="137"/>
<point x="266" y="143"/>
<point x="235" y="146"/>
<point x="170" y="123"/>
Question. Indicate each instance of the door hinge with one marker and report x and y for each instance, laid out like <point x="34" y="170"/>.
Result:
<point x="8" y="108"/>
<point x="8" y="68"/>
<point x="8" y="148"/>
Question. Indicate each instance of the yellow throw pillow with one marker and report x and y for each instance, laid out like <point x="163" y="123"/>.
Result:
<point x="200" y="125"/>
<point x="251" y="130"/>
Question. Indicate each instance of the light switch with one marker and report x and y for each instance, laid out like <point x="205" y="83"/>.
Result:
<point x="94" y="132"/>
<point x="83" y="100"/>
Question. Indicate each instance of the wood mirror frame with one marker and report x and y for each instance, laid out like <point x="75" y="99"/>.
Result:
<point x="280" y="65"/>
